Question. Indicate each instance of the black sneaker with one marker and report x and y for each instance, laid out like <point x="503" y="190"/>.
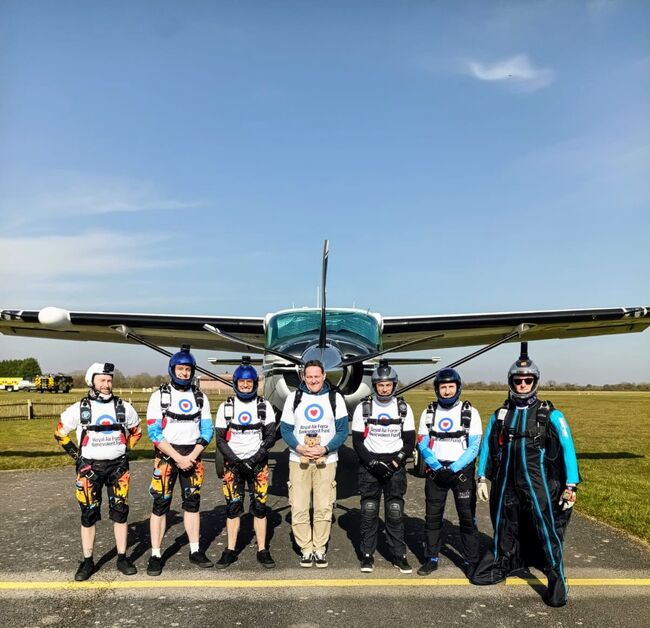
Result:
<point x="367" y="564"/>
<point x="86" y="568"/>
<point x="265" y="559"/>
<point x="199" y="558"/>
<point x="307" y="559"/>
<point x="125" y="566"/>
<point x="428" y="566"/>
<point x="155" y="565"/>
<point x="402" y="564"/>
<point x="228" y="557"/>
<point x="320" y="559"/>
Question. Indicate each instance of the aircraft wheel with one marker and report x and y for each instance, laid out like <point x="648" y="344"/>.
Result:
<point x="219" y="463"/>
<point x="419" y="466"/>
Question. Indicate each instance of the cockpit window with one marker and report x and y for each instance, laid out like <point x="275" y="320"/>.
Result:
<point x="287" y="326"/>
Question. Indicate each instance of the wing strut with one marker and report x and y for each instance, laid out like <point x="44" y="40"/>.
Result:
<point x="130" y="335"/>
<point x="369" y="356"/>
<point x="517" y="332"/>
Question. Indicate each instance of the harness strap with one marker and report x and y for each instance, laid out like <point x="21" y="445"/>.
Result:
<point x="331" y="395"/>
<point x="366" y="408"/>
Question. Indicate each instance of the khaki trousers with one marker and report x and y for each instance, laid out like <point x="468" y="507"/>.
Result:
<point x="303" y="484"/>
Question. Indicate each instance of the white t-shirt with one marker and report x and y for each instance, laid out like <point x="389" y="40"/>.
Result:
<point x="383" y="439"/>
<point x="313" y="416"/>
<point x="244" y="443"/>
<point x="450" y="449"/>
<point x="100" y="445"/>
<point x="175" y="431"/>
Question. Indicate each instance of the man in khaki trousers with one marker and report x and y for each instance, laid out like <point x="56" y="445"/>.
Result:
<point x="314" y="424"/>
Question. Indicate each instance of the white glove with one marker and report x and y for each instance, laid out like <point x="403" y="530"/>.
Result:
<point x="568" y="498"/>
<point x="482" y="490"/>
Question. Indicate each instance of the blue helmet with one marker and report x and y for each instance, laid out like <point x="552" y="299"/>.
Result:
<point x="245" y="371"/>
<point x="181" y="357"/>
<point x="447" y="376"/>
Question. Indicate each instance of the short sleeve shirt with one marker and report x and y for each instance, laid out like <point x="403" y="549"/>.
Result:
<point x="382" y="436"/>
<point x="244" y="443"/>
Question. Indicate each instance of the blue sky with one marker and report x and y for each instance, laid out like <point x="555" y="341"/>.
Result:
<point x="461" y="157"/>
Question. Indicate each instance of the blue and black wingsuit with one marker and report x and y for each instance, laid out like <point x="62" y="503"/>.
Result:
<point x="529" y="456"/>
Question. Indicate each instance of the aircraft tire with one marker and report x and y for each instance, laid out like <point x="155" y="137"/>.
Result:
<point x="219" y="463"/>
<point x="419" y="466"/>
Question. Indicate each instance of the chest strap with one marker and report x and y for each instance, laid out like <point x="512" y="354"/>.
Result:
<point x="229" y="414"/>
<point x="166" y="400"/>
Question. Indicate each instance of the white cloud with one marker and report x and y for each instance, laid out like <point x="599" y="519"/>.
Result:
<point x="75" y="194"/>
<point x="63" y="265"/>
<point x="516" y="71"/>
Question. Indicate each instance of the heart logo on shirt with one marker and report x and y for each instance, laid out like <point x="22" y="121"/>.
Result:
<point x="313" y="413"/>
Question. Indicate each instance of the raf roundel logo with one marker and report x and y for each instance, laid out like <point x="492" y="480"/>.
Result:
<point x="105" y="419"/>
<point x="185" y="405"/>
<point x="245" y="418"/>
<point x="384" y="418"/>
<point x="445" y="424"/>
<point x="313" y="413"/>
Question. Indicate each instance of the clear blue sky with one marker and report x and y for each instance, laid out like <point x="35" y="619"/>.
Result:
<point x="461" y="157"/>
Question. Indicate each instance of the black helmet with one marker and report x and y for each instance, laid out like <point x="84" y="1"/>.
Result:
<point x="522" y="367"/>
<point x="447" y="376"/>
<point x="384" y="373"/>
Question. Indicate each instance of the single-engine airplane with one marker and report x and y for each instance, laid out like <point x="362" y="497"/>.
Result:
<point x="346" y="340"/>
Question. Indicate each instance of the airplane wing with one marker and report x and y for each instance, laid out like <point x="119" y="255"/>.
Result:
<point x="459" y="330"/>
<point x="168" y="330"/>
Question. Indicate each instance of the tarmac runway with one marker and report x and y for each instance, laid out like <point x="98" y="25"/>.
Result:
<point x="608" y="573"/>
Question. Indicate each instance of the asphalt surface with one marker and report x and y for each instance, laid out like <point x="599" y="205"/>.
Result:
<point x="608" y="573"/>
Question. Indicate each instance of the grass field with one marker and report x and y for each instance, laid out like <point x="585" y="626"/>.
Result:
<point x="611" y="431"/>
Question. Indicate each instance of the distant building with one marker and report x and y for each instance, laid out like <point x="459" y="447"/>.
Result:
<point x="210" y="385"/>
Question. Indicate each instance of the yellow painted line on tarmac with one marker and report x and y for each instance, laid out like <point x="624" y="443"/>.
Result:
<point x="313" y="583"/>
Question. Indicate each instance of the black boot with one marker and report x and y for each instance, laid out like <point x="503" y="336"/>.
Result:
<point x="86" y="568"/>
<point x="556" y="593"/>
<point x="125" y="566"/>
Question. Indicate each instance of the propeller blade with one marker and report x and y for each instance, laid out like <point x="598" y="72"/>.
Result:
<point x="520" y="329"/>
<point x="369" y="356"/>
<point x="323" y="287"/>
<point x="130" y="335"/>
<point x="285" y="356"/>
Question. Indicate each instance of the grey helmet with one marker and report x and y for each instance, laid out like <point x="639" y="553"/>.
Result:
<point x="384" y="373"/>
<point x="522" y="367"/>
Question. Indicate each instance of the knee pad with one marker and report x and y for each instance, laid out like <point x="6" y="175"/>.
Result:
<point x="234" y="508"/>
<point x="369" y="508"/>
<point x="394" y="511"/>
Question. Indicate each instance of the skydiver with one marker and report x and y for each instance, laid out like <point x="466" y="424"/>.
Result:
<point x="529" y="457"/>
<point x="448" y="440"/>
<point x="180" y="426"/>
<point x="314" y="412"/>
<point x="245" y="431"/>
<point x="106" y="427"/>
<point x="383" y="435"/>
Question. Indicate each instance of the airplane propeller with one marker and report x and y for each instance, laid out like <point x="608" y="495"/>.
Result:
<point x="520" y="329"/>
<point x="130" y="335"/>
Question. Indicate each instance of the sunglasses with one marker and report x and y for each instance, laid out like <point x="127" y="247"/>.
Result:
<point x="518" y="381"/>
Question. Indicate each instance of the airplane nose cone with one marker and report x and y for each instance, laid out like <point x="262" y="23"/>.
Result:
<point x="329" y="356"/>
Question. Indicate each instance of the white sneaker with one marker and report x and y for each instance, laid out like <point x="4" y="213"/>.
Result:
<point x="307" y="559"/>
<point x="320" y="559"/>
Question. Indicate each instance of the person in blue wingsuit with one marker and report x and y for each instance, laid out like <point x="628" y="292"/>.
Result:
<point x="529" y="456"/>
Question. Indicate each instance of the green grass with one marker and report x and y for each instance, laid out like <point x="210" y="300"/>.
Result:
<point x="611" y="431"/>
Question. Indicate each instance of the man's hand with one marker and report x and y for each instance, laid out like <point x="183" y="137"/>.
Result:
<point x="310" y="452"/>
<point x="246" y="467"/>
<point x="185" y="463"/>
<point x="86" y="471"/>
<point x="381" y="470"/>
<point x="445" y="476"/>
<point x="483" y="490"/>
<point x="399" y="460"/>
<point x="568" y="497"/>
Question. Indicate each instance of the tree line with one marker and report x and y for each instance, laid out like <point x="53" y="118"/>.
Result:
<point x="28" y="368"/>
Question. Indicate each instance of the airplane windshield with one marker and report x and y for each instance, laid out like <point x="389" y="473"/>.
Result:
<point x="292" y="325"/>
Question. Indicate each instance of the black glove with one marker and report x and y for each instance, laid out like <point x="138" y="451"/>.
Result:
<point x="259" y="457"/>
<point x="445" y="477"/>
<point x="381" y="470"/>
<point x="399" y="460"/>
<point x="246" y="467"/>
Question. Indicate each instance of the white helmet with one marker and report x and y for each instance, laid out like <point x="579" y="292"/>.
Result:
<point x="98" y="368"/>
